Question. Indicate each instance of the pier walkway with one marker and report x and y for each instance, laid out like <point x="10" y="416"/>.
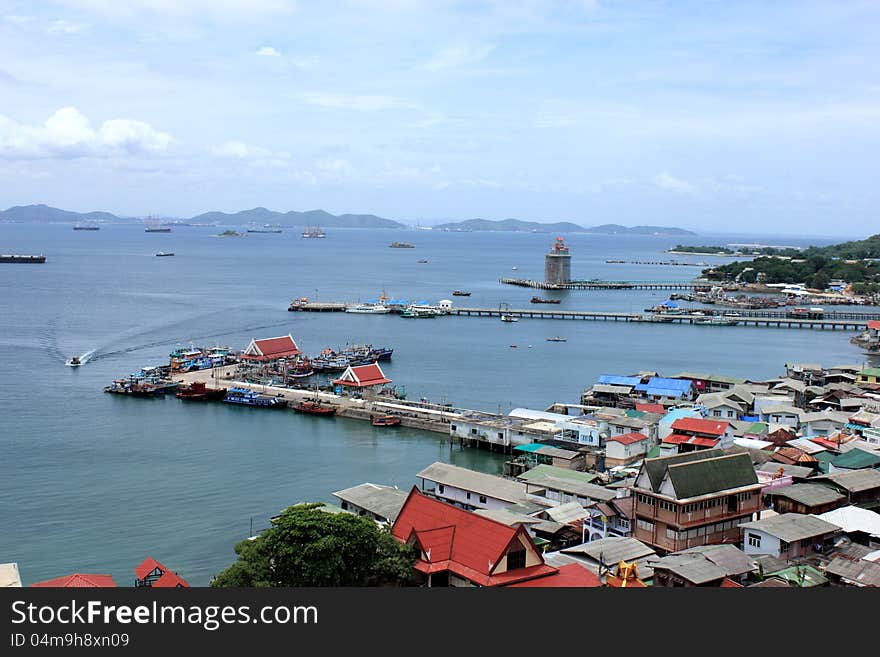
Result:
<point x="609" y="285"/>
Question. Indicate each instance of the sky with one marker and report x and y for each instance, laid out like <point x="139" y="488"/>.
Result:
<point x="715" y="116"/>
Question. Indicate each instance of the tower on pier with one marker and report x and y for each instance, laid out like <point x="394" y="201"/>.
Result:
<point x="557" y="263"/>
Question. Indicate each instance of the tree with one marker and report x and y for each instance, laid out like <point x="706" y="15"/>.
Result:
<point x="309" y="547"/>
<point x="820" y="281"/>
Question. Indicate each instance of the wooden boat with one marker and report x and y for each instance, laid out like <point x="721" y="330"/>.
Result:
<point x="556" y="338"/>
<point x="542" y="300"/>
<point x="199" y="391"/>
<point x="313" y="408"/>
<point x="384" y="420"/>
<point x="460" y="293"/>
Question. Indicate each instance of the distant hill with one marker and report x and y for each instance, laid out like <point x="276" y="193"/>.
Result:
<point x="294" y="218"/>
<point x="617" y="229"/>
<point x="45" y="214"/>
<point x="559" y="227"/>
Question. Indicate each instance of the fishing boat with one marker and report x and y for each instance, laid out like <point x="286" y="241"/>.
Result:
<point x="74" y="362"/>
<point x="717" y="321"/>
<point x="422" y="262"/>
<point x="247" y="397"/>
<point x="508" y="318"/>
<point x="543" y="300"/>
<point x="556" y="338"/>
<point x="384" y="420"/>
<point x="163" y="254"/>
<point x="313" y="232"/>
<point x="460" y="293"/>
<point x="199" y="391"/>
<point x="313" y="408"/>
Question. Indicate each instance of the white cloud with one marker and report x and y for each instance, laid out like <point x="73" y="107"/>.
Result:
<point x="255" y="154"/>
<point x="64" y="27"/>
<point x="68" y="134"/>
<point x="671" y="183"/>
<point x="356" y="102"/>
<point x="458" y="55"/>
<point x="268" y="51"/>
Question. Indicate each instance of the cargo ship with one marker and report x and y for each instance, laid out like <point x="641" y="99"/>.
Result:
<point x="8" y="257"/>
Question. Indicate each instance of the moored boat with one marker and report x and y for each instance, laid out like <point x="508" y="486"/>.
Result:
<point x="508" y="318"/>
<point x="460" y="293"/>
<point x="199" y="391"/>
<point x="543" y="300"/>
<point x="556" y="338"/>
<point x="384" y="420"/>
<point x="313" y="407"/>
<point x="248" y="397"/>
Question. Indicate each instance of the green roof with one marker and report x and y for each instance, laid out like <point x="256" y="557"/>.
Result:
<point x="653" y="453"/>
<point x="855" y="459"/>
<point x="541" y="471"/>
<point x="803" y="576"/>
<point x="656" y="467"/>
<point x="531" y="447"/>
<point x="695" y="478"/>
<point x="870" y="371"/>
<point x="756" y="427"/>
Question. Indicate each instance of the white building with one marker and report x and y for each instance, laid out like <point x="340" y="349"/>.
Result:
<point x="470" y="489"/>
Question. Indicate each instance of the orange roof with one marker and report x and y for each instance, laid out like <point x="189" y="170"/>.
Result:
<point x="362" y="376"/>
<point x="271" y="348"/>
<point x="461" y="542"/>
<point x="147" y="566"/>
<point x="728" y="583"/>
<point x="78" y="580"/>
<point x="651" y="408"/>
<point x="170" y="580"/>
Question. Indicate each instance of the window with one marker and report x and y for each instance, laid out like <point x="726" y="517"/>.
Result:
<point x="783" y="546"/>
<point x="644" y="524"/>
<point x="754" y="540"/>
<point x="623" y="523"/>
<point x="454" y="428"/>
<point x="482" y="499"/>
<point x="500" y="435"/>
<point x="474" y="431"/>
<point x="516" y="559"/>
<point x="716" y="413"/>
<point x="440" y="488"/>
<point x="469" y="495"/>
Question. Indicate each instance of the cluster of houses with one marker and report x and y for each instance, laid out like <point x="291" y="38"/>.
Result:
<point x="149" y="573"/>
<point x="691" y="480"/>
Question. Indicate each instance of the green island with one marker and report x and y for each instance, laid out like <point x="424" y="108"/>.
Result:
<point x="856" y="262"/>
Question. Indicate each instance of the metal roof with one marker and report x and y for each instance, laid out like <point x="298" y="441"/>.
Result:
<point x="808" y="494"/>
<point x="854" y="481"/>
<point x="859" y="573"/>
<point x="384" y="501"/>
<point x="795" y="471"/>
<point x="614" y="549"/>
<point x="477" y="482"/>
<point x="507" y="517"/>
<point x="9" y="575"/>
<point x="568" y="481"/>
<point x="712" y="475"/>
<point x="566" y="513"/>
<point x="616" y="380"/>
<point x="854" y="519"/>
<point x="791" y="527"/>
<point x="693" y="567"/>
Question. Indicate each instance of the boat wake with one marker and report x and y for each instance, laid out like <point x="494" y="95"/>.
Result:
<point x="76" y="361"/>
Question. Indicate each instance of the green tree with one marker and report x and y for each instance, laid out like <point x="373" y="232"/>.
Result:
<point x="309" y="547"/>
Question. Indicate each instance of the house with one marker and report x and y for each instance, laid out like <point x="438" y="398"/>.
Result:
<point x="861" y="525"/>
<point x="78" y="580"/>
<point x="470" y="489"/>
<point x="796" y="472"/>
<point x="568" y="576"/>
<point x="9" y="575"/>
<point x="692" y="434"/>
<point x="861" y="487"/>
<point x="823" y="423"/>
<point x="152" y="573"/>
<point x="868" y="376"/>
<point x="784" y="414"/>
<point x="362" y="376"/>
<point x="546" y="484"/>
<point x="659" y="389"/>
<point x="664" y="426"/>
<point x="710" y="383"/>
<point x="532" y="454"/>
<point x="473" y="426"/>
<point x="862" y="420"/>
<point x="762" y="402"/>
<point x="626" y="448"/>
<point x="693" y="499"/>
<point x="801" y="576"/>
<point x="460" y="548"/>
<point x="270" y="349"/>
<point x="381" y="503"/>
<point x="612" y="518"/>
<point x="604" y="553"/>
<point x="788" y="535"/>
<point x="854" y="572"/>
<point x="806" y="499"/>
<point x="633" y="421"/>
<point x="707" y="565"/>
<point x="720" y="407"/>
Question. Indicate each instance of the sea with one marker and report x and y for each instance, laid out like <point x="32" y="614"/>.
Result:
<point x="95" y="483"/>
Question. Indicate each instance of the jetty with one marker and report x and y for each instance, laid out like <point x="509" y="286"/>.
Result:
<point x="609" y="285"/>
<point x="33" y="259"/>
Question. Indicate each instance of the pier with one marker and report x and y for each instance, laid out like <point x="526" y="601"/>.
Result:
<point x="607" y="285"/>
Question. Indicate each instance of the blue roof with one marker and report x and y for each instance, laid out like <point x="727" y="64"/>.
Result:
<point x="664" y="392"/>
<point x="669" y="304"/>
<point x="531" y="447"/>
<point x="751" y="418"/>
<point x="615" y="380"/>
<point x="684" y="385"/>
<point x="678" y="413"/>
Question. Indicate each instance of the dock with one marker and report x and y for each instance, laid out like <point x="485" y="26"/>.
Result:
<point x="609" y="285"/>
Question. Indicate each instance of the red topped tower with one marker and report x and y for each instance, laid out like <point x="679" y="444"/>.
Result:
<point x="557" y="263"/>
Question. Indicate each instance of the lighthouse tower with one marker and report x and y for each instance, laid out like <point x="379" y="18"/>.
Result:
<point x="557" y="263"/>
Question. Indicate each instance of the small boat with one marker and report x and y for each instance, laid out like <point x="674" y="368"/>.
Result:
<point x="74" y="362"/>
<point x="421" y="262"/>
<point x="556" y="338"/>
<point x="199" y="391"/>
<point x="543" y="300"/>
<point x="401" y="245"/>
<point x="247" y="397"/>
<point x="513" y="346"/>
<point x="313" y="408"/>
<point x="514" y="268"/>
<point x="508" y="318"/>
<point x="419" y="313"/>
<point x="369" y="308"/>
<point x="313" y="232"/>
<point x="162" y="254"/>
<point x="460" y="293"/>
<point x="384" y="420"/>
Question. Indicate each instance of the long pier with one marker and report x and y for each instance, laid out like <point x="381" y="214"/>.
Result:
<point x="607" y="285"/>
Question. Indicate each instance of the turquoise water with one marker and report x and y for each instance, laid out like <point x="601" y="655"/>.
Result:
<point x="91" y="482"/>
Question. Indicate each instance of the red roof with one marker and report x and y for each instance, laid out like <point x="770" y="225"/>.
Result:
<point x="78" y="580"/>
<point x="699" y="425"/>
<point x="461" y="542"/>
<point x="874" y="324"/>
<point x="272" y="348"/>
<point x="147" y="566"/>
<point x="651" y="408"/>
<point x="362" y="376"/>
<point x="824" y="442"/>
<point x="680" y="438"/>
<point x="568" y="576"/>
<point x="728" y="583"/>
<point x="628" y="438"/>
<point x="169" y="581"/>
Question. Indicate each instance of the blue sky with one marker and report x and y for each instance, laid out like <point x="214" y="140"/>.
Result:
<point x="717" y="116"/>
